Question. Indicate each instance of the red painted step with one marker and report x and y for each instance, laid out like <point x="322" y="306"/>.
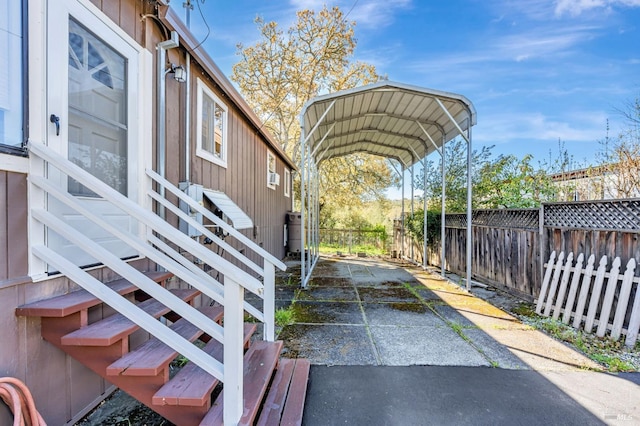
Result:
<point x="259" y="362"/>
<point x="274" y="403"/>
<point x="114" y="328"/>
<point x="294" y="407"/>
<point x="76" y="301"/>
<point x="192" y="386"/>
<point x="154" y="356"/>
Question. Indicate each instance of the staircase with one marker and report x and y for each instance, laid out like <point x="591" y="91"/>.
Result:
<point x="273" y="389"/>
<point x="257" y="388"/>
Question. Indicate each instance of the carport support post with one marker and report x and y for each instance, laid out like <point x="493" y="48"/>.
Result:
<point x="443" y="213"/>
<point x="402" y="215"/>
<point x="303" y="194"/>
<point x="469" y="207"/>
<point x="412" y="213"/>
<point x="424" y="209"/>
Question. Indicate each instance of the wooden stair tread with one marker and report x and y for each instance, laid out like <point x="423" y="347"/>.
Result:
<point x="192" y="386"/>
<point x="294" y="407"/>
<point x="153" y="356"/>
<point x="284" y="404"/>
<point x="75" y="301"/>
<point x="260" y="361"/>
<point x="117" y="326"/>
<point x="274" y="403"/>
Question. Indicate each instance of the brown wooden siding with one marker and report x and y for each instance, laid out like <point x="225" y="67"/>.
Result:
<point x="244" y="179"/>
<point x="13" y="228"/>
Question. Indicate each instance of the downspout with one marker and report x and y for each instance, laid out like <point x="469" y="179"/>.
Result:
<point x="187" y="119"/>
<point x="161" y="112"/>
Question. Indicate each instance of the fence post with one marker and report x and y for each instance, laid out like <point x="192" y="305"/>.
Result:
<point x="233" y="352"/>
<point x="542" y="242"/>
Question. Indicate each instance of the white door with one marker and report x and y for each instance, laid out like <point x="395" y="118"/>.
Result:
<point x="92" y="74"/>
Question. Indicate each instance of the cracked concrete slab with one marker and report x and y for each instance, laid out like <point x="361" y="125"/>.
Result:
<point x="331" y="294"/>
<point x="424" y="346"/>
<point x="400" y="314"/>
<point x="329" y="344"/>
<point x="311" y="312"/>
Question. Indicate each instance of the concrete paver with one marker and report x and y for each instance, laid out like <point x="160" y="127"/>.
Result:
<point x="329" y="344"/>
<point x="335" y="294"/>
<point x="424" y="346"/>
<point x="315" y="312"/>
<point x="394" y="314"/>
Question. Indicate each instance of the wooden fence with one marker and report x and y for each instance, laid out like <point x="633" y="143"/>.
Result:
<point x="511" y="246"/>
<point x="566" y="288"/>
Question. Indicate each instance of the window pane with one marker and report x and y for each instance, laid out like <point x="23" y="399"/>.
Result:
<point x="207" y="123"/>
<point x="11" y="96"/>
<point x="97" y="110"/>
<point x="219" y="117"/>
<point x="212" y="126"/>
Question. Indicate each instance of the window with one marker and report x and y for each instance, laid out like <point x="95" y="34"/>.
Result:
<point x="287" y="183"/>
<point x="12" y="79"/>
<point x="272" y="177"/>
<point x="211" y="126"/>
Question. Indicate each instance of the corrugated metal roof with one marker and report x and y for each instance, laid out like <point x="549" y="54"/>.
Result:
<point x="239" y="218"/>
<point x="387" y="119"/>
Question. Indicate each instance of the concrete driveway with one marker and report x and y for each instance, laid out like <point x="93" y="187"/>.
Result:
<point x="393" y="344"/>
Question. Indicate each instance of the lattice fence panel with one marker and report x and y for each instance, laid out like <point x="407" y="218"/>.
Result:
<point x="456" y="220"/>
<point x="512" y="218"/>
<point x="607" y="215"/>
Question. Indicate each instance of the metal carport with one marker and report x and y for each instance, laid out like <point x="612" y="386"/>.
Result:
<point x="393" y="120"/>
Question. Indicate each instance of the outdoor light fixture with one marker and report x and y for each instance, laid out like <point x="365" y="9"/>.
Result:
<point x="179" y="73"/>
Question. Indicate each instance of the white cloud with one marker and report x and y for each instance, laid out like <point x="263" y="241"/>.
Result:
<point x="577" y="7"/>
<point x="528" y="45"/>
<point x="369" y="13"/>
<point x="505" y="127"/>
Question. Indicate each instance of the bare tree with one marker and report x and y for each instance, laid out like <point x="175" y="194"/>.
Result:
<point x="620" y="157"/>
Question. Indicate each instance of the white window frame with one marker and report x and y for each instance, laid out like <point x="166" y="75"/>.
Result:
<point x="13" y="90"/>
<point x="269" y="171"/>
<point x="287" y="183"/>
<point x="203" y="89"/>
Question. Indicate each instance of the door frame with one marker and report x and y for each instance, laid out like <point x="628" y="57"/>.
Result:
<point x="139" y="104"/>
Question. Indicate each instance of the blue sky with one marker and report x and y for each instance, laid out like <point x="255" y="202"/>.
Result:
<point x="536" y="70"/>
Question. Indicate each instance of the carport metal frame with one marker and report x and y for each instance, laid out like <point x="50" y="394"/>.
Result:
<point x="398" y="121"/>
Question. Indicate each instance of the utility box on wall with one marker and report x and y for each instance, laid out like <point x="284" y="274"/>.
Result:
<point x="194" y="191"/>
<point x="294" y="227"/>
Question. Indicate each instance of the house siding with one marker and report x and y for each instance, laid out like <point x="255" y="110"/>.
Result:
<point x="13" y="228"/>
<point x="63" y="389"/>
<point x="244" y="179"/>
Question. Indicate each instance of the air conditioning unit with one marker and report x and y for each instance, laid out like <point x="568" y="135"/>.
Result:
<point x="274" y="179"/>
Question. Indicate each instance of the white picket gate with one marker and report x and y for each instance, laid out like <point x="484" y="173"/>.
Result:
<point x="566" y="289"/>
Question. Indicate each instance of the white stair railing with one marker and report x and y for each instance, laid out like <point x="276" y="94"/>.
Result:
<point x="267" y="272"/>
<point x="230" y="295"/>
